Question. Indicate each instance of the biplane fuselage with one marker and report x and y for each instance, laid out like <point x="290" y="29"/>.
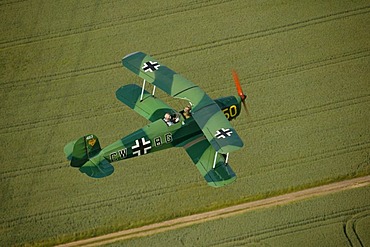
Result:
<point x="158" y="135"/>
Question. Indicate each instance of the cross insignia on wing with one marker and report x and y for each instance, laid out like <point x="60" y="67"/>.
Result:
<point x="141" y="147"/>
<point x="150" y="66"/>
<point x="223" y="133"/>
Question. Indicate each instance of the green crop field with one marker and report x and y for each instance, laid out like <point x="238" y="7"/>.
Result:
<point x="305" y="223"/>
<point x="303" y="64"/>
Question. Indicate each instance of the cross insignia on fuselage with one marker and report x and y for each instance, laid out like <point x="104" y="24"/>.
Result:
<point x="223" y="133"/>
<point x="150" y="66"/>
<point x="141" y="147"/>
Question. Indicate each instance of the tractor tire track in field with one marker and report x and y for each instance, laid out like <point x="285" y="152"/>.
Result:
<point x="332" y="60"/>
<point x="262" y="169"/>
<point x="355" y="147"/>
<point x="32" y="170"/>
<point x="187" y="50"/>
<point x="266" y="32"/>
<point x="350" y="231"/>
<point x="195" y="5"/>
<point x="305" y="112"/>
<point x="6" y="3"/>
<point x="46" y="79"/>
<point x="313" y="64"/>
<point x="276" y="166"/>
<point x="143" y="194"/>
<point x="293" y="227"/>
<point x="249" y="125"/>
<point x="182" y="9"/>
<point x="100" y="204"/>
<point x="75" y="116"/>
<point x="235" y="210"/>
<point x="61" y="119"/>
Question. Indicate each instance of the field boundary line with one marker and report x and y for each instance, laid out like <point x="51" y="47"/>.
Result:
<point x="221" y="213"/>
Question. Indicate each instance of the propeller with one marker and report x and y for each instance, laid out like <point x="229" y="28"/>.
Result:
<point x="240" y="91"/>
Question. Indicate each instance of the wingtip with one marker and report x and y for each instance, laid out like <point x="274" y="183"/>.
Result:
<point x="230" y="148"/>
<point x="133" y="53"/>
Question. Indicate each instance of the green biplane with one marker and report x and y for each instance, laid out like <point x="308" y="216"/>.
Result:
<point x="205" y="132"/>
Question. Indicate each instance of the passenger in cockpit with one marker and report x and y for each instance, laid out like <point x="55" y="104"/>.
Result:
<point x="187" y="111"/>
<point x="168" y="119"/>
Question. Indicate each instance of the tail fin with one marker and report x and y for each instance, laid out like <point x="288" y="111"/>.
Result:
<point x="83" y="149"/>
<point x="84" y="153"/>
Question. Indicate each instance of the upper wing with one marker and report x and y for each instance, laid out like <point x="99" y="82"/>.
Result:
<point x="206" y="112"/>
<point x="203" y="155"/>
<point x="150" y="107"/>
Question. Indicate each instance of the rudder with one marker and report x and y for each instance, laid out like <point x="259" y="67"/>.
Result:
<point x="84" y="154"/>
<point x="83" y="149"/>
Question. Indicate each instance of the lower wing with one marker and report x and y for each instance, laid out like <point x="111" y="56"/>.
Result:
<point x="211" y="165"/>
<point x="149" y="107"/>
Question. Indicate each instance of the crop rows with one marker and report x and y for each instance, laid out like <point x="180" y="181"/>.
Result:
<point x="103" y="110"/>
<point x="118" y="21"/>
<point x="214" y="44"/>
<point x="267" y="32"/>
<point x="291" y="227"/>
<point x="351" y="231"/>
<point x="58" y="82"/>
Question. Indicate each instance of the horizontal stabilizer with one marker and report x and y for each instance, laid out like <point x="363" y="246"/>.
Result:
<point x="84" y="153"/>
<point x="68" y="149"/>
<point x="97" y="168"/>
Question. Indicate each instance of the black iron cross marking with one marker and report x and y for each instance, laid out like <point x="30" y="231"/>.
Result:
<point x="141" y="147"/>
<point x="223" y="133"/>
<point x="150" y="66"/>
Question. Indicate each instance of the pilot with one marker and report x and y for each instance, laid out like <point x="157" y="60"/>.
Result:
<point x="168" y="119"/>
<point x="187" y="111"/>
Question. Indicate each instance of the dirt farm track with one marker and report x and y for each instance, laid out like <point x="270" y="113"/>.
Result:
<point x="221" y="213"/>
